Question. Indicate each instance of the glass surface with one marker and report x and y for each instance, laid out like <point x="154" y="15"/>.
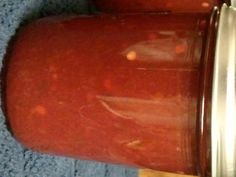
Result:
<point x="120" y="89"/>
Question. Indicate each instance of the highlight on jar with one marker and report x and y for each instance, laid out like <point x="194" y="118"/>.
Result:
<point x="145" y="90"/>
<point x="164" y="6"/>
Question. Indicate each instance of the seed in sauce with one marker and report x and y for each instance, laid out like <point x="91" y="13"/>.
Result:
<point x="131" y="56"/>
<point x="205" y="4"/>
<point x="39" y="110"/>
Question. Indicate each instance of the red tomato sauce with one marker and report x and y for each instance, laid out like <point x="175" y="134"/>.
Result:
<point x="113" y="88"/>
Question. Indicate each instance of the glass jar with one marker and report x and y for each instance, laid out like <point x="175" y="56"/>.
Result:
<point x="190" y="6"/>
<point x="125" y="88"/>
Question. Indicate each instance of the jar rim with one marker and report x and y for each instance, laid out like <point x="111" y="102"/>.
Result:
<point x="223" y="115"/>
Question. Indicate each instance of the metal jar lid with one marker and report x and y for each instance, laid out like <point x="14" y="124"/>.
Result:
<point x="223" y="118"/>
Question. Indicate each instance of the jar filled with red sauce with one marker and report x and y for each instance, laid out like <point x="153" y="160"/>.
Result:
<point x="119" y="88"/>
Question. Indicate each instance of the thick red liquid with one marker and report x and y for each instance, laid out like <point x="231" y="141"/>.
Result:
<point x="120" y="89"/>
<point x="191" y="6"/>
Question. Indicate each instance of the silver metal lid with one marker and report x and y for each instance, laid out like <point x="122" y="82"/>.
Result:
<point x="233" y="3"/>
<point x="223" y="125"/>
